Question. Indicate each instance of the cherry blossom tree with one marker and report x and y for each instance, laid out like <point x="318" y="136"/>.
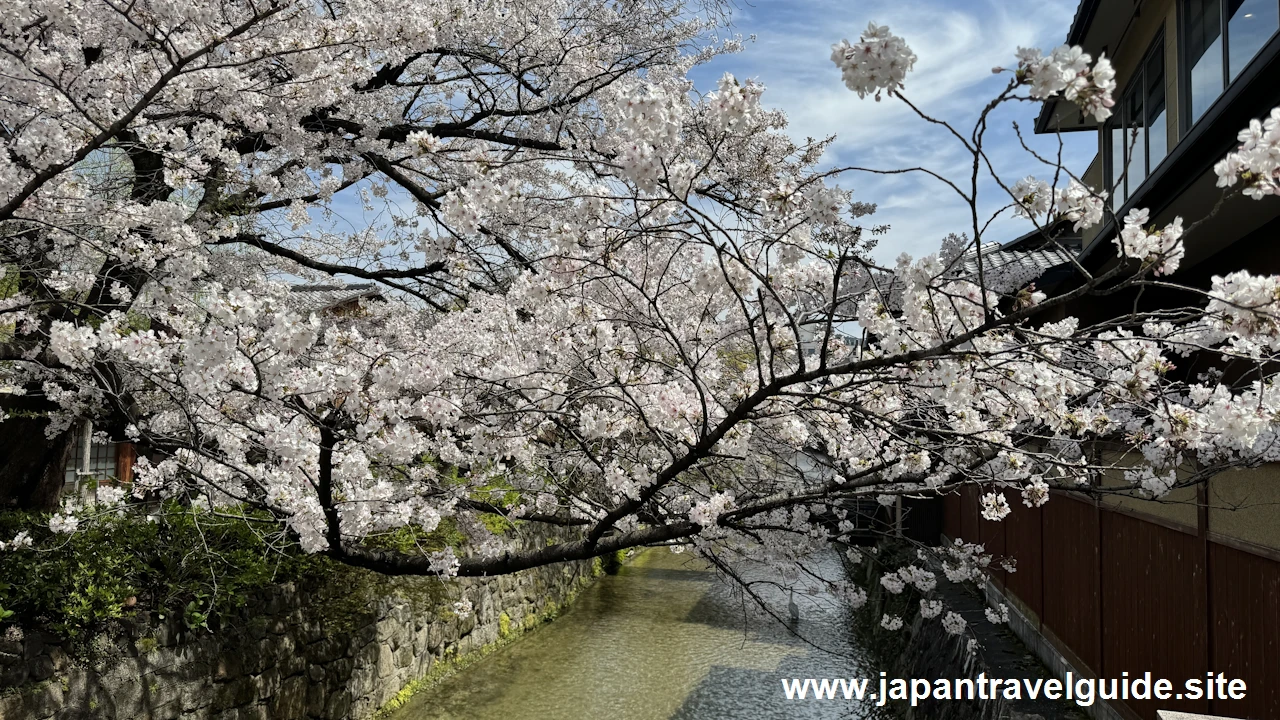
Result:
<point x="612" y="304"/>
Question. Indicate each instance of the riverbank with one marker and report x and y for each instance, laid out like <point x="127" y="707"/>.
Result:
<point x="289" y="655"/>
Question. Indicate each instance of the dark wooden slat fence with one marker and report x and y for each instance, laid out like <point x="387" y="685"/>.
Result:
<point x="1116" y="592"/>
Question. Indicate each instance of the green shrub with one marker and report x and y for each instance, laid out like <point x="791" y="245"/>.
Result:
<point x="178" y="562"/>
<point x="175" y="561"/>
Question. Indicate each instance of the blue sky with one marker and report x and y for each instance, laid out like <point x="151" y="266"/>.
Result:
<point x="957" y="44"/>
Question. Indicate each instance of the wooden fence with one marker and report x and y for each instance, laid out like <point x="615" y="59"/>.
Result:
<point x="1118" y="592"/>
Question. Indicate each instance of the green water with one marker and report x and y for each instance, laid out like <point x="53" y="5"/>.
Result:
<point x="663" y="639"/>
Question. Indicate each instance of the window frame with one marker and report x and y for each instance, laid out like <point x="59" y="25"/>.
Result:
<point x="1136" y="84"/>
<point x="1185" y="121"/>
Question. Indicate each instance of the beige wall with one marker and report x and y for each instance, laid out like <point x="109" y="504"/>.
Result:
<point x="1093" y="178"/>
<point x="1178" y="507"/>
<point x="1242" y="504"/>
<point x="1245" y="505"/>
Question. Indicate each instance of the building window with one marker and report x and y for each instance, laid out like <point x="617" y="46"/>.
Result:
<point x="1137" y="135"/>
<point x="102" y="460"/>
<point x="1213" y="57"/>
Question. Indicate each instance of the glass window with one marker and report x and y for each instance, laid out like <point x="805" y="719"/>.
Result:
<point x="1135" y="139"/>
<point x="1250" y="23"/>
<point x="102" y="460"/>
<point x="1157" y="117"/>
<point x="1221" y="37"/>
<point x="1137" y="135"/>
<point x="1204" y="53"/>
<point x="1115" y="138"/>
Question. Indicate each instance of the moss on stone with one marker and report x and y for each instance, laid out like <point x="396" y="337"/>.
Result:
<point x="613" y="562"/>
<point x="450" y="662"/>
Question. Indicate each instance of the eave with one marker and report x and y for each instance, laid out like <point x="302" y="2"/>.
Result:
<point x="1098" y="27"/>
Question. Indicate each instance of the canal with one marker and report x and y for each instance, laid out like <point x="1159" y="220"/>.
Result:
<point x="665" y="639"/>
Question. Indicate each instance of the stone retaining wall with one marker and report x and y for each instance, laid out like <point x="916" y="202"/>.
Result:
<point x="282" y="660"/>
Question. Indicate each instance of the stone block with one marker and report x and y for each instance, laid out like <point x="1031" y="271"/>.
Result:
<point x="327" y="650"/>
<point x="338" y="706"/>
<point x="340" y="670"/>
<point x="126" y="695"/>
<point x="404" y="656"/>
<point x="14" y="706"/>
<point x="13" y="674"/>
<point x="385" y="661"/>
<point x="266" y="685"/>
<point x="317" y="693"/>
<point x="40" y="667"/>
<point x="253" y="712"/>
<point x="290" y="701"/>
<point x="466" y="625"/>
<point x="162" y="697"/>
<point x="228" y="667"/>
<point x="238" y="692"/>
<point x="435" y="636"/>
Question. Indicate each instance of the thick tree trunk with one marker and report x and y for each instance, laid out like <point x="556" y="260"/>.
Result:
<point x="31" y="464"/>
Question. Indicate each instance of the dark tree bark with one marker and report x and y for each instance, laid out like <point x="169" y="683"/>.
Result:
<point x="31" y="464"/>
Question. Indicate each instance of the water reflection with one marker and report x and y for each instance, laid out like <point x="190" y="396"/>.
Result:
<point x="662" y="640"/>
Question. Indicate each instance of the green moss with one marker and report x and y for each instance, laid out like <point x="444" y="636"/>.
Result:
<point x="344" y="600"/>
<point x="146" y="645"/>
<point x="412" y="539"/>
<point x="550" y="611"/>
<point x="451" y="663"/>
<point x="613" y="562"/>
<point x="497" y="524"/>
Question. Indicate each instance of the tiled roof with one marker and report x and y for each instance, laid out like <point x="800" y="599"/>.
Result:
<point x="318" y="298"/>
<point x="997" y="257"/>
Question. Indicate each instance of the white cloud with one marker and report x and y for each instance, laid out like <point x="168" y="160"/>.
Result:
<point x="957" y="45"/>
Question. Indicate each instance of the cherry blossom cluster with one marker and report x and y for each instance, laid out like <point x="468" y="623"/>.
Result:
<point x="1256" y="161"/>
<point x="998" y="615"/>
<point x="878" y="62"/>
<point x="735" y="106"/>
<point x="1162" y="248"/>
<point x="706" y="512"/>
<point x="1036" y="200"/>
<point x="953" y="623"/>
<point x="1067" y="71"/>
<point x="21" y="541"/>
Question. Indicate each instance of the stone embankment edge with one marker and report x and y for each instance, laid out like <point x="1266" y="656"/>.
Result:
<point x="447" y="668"/>
<point x="283" y="661"/>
